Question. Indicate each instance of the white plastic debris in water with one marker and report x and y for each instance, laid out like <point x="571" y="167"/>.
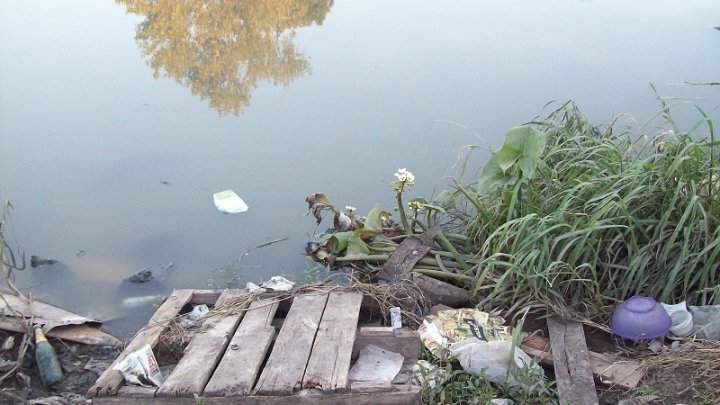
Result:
<point x="395" y="318"/>
<point x="131" y="302"/>
<point x="229" y="203"/>
<point x="279" y="283"/>
<point x="141" y="368"/>
<point x="376" y="364"/>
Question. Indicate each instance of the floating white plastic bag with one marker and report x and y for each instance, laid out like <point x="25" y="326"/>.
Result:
<point x="229" y="203"/>
<point x="376" y="364"/>
<point x="278" y="283"/>
<point x="141" y="368"/>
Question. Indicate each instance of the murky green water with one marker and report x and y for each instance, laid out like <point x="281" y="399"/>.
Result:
<point x="119" y="120"/>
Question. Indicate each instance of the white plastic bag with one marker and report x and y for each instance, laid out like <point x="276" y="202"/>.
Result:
<point x="492" y="358"/>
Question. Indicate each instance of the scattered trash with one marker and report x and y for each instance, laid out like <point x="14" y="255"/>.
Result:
<point x="278" y="283"/>
<point x="228" y="202"/>
<point x="190" y="320"/>
<point x="36" y="261"/>
<point x="706" y="320"/>
<point x="480" y="341"/>
<point x="56" y="322"/>
<point x="395" y="318"/>
<point x="427" y="374"/>
<point x="640" y="318"/>
<point x="492" y="358"/>
<point x="376" y="364"/>
<point x="681" y="319"/>
<point x="140" y="368"/>
<point x="46" y="360"/>
<point x="254" y="288"/>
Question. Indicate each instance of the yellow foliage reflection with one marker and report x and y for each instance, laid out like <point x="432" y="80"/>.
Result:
<point x="222" y="48"/>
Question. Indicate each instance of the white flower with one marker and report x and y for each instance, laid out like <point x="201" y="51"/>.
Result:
<point x="415" y="205"/>
<point x="350" y="209"/>
<point x="404" y="175"/>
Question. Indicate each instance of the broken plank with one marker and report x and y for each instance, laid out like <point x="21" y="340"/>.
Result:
<point x="573" y="371"/>
<point x="329" y="362"/>
<point x="285" y="367"/>
<point x="202" y="354"/>
<point x="239" y="367"/>
<point x="111" y="380"/>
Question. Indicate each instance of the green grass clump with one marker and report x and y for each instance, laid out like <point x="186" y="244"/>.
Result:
<point x="602" y="217"/>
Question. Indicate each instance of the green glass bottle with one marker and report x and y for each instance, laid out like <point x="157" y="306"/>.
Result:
<point x="46" y="360"/>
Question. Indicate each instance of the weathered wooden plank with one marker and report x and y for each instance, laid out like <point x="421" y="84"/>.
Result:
<point x="202" y="354"/>
<point x="239" y="367"/>
<point x="440" y="292"/>
<point x="573" y="371"/>
<point x="607" y="369"/>
<point x="207" y="297"/>
<point x="134" y="391"/>
<point x="399" y="395"/>
<point x="329" y="362"/>
<point x="111" y="380"/>
<point x="398" y="266"/>
<point x="285" y="367"/>
<point x="405" y="342"/>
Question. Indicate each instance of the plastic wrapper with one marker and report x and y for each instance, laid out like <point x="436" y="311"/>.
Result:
<point x="141" y="368"/>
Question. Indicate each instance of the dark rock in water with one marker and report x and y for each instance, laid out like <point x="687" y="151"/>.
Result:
<point x="36" y="261"/>
<point x="142" y="276"/>
<point x="147" y="274"/>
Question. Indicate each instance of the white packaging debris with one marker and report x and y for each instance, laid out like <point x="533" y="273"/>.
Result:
<point x="229" y="203"/>
<point x="141" y="368"/>
<point x="395" y="318"/>
<point x="252" y="287"/>
<point x="190" y="320"/>
<point x="376" y="364"/>
<point x="278" y="283"/>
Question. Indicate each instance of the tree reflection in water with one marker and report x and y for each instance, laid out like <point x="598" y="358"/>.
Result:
<point x="221" y="49"/>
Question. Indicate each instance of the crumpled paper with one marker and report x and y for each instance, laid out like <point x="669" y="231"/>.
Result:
<point x="140" y="368"/>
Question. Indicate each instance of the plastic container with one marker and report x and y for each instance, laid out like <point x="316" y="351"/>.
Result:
<point x="640" y="318"/>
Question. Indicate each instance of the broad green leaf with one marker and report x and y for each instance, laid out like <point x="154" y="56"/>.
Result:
<point x="337" y="242"/>
<point x="356" y="246"/>
<point x="522" y="148"/>
<point x="373" y="222"/>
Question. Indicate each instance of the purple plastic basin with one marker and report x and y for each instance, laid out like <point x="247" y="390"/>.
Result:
<point x="640" y="318"/>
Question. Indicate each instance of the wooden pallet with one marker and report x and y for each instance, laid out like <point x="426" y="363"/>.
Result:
<point x="244" y="359"/>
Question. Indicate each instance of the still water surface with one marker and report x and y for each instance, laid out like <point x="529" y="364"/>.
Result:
<point x="119" y="120"/>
